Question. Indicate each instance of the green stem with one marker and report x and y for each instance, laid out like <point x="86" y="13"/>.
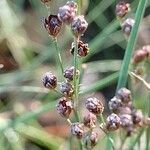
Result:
<point x="131" y="43"/>
<point x="58" y="55"/>
<point x="110" y="140"/>
<point x="79" y="2"/>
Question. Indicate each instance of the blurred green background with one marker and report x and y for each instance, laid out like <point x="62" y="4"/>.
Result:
<point x="27" y="120"/>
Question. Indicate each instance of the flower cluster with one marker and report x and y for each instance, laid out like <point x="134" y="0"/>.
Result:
<point x="122" y="9"/>
<point x="123" y="113"/>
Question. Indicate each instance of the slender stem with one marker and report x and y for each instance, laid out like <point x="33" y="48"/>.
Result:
<point x="108" y="135"/>
<point x="122" y="143"/>
<point x="79" y="2"/>
<point x="58" y="55"/>
<point x="131" y="43"/>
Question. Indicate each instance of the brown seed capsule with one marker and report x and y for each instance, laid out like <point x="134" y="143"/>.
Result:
<point x="122" y="9"/>
<point x="79" y="25"/>
<point x="147" y="49"/>
<point x="90" y="120"/>
<point x="77" y="129"/>
<point x="137" y="116"/>
<point x="66" y="89"/>
<point x="53" y="25"/>
<point x="124" y="94"/>
<point x="67" y="12"/>
<point x="139" y="56"/>
<point x="69" y="72"/>
<point x="127" y="26"/>
<point x="94" y="105"/>
<point x="45" y="1"/>
<point x="115" y="104"/>
<point x="112" y="122"/>
<point x="49" y="80"/>
<point x="126" y="120"/>
<point x="64" y="107"/>
<point x="83" y="49"/>
<point x="91" y="140"/>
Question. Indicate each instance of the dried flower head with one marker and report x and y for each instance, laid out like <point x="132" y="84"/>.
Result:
<point x="64" y="107"/>
<point x="49" y="80"/>
<point x="45" y="1"/>
<point x="147" y="49"/>
<point x="91" y="140"/>
<point x="67" y="12"/>
<point x="53" y="25"/>
<point x="66" y="88"/>
<point x="125" y="110"/>
<point x="139" y="56"/>
<point x="124" y="94"/>
<point x="94" y="105"/>
<point x="79" y="25"/>
<point x="112" y="122"/>
<point x="90" y="120"/>
<point x="83" y="49"/>
<point x="77" y="129"/>
<point x="127" y="26"/>
<point x="126" y="120"/>
<point x="137" y="116"/>
<point x="122" y="9"/>
<point x="115" y="104"/>
<point x="69" y="72"/>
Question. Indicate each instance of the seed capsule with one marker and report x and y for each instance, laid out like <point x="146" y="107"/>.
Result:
<point x="127" y="26"/>
<point x="147" y="49"/>
<point x="124" y="94"/>
<point x="137" y="116"/>
<point x="69" y="72"/>
<point x="79" y="25"/>
<point x="90" y="120"/>
<point x="126" y="120"/>
<point x="83" y="49"/>
<point x="94" y="105"/>
<point x="77" y="129"/>
<point x="122" y="9"/>
<point x="66" y="89"/>
<point x="115" y="104"/>
<point x="64" y="107"/>
<point x="67" y="12"/>
<point x="45" y="1"/>
<point x="91" y="140"/>
<point x="139" y="56"/>
<point x="112" y="122"/>
<point x="53" y="25"/>
<point x="49" y="80"/>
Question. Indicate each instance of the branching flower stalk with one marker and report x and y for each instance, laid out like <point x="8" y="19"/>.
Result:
<point x="131" y="43"/>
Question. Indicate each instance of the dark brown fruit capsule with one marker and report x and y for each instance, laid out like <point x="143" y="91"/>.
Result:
<point x="45" y="1"/>
<point x="64" y="107"/>
<point x="67" y="12"/>
<point x="77" y="129"/>
<point x="127" y="26"/>
<point x="115" y="104"/>
<point x="126" y="120"/>
<point x="66" y="89"/>
<point x="79" y="25"/>
<point x="91" y="140"/>
<point x="124" y="94"/>
<point x="83" y="49"/>
<point x="112" y="122"/>
<point x="69" y="72"/>
<point x="139" y="56"/>
<point x="90" y="120"/>
<point x="137" y="116"/>
<point x="94" y="105"/>
<point x="122" y="9"/>
<point x="49" y="80"/>
<point x="53" y="25"/>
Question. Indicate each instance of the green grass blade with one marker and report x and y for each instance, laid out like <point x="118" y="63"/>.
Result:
<point x="131" y="43"/>
<point x="100" y="84"/>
